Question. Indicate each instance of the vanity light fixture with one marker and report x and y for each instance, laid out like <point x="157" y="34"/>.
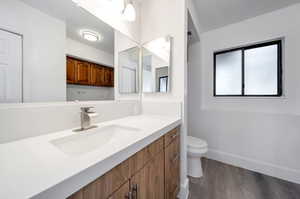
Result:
<point x="90" y="35"/>
<point x="129" y="13"/>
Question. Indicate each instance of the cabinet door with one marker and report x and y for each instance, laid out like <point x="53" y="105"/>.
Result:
<point x="172" y="169"/>
<point x="148" y="183"/>
<point x="71" y="70"/>
<point x="96" y="75"/>
<point x="83" y="72"/>
<point x="108" y="77"/>
<point x="122" y="193"/>
<point x="93" y="74"/>
<point x="112" y="77"/>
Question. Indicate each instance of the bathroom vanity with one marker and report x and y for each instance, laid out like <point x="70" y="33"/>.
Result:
<point x="153" y="172"/>
<point x="133" y="156"/>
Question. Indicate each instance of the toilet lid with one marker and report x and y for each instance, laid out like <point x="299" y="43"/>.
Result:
<point x="196" y="142"/>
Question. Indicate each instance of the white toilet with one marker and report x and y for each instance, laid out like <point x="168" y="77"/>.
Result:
<point x="196" y="148"/>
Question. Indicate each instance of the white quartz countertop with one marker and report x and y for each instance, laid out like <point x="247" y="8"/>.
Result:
<point x="35" y="168"/>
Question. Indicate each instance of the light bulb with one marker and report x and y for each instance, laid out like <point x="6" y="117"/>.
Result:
<point x="129" y="12"/>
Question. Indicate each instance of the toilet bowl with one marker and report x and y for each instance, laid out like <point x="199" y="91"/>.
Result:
<point x="196" y="148"/>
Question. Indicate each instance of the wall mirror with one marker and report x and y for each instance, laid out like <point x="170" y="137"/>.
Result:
<point x="56" y="51"/>
<point x="156" y="65"/>
<point x="128" y="67"/>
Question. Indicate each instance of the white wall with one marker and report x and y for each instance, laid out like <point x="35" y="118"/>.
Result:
<point x="89" y="93"/>
<point x="161" y="18"/>
<point x="56" y="117"/>
<point x="261" y="134"/>
<point x="80" y="50"/>
<point x="43" y="50"/>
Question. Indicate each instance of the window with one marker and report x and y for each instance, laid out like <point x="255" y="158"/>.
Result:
<point x="249" y="71"/>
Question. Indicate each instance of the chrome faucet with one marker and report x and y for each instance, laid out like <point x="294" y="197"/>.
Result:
<point x="86" y="115"/>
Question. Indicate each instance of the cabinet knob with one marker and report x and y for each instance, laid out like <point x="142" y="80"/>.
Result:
<point x="174" y="136"/>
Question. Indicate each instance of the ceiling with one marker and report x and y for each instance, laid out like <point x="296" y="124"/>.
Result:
<point x="217" y="13"/>
<point x="193" y="36"/>
<point x="77" y="18"/>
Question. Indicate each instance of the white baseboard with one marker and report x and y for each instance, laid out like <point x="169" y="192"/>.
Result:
<point x="184" y="190"/>
<point x="284" y="173"/>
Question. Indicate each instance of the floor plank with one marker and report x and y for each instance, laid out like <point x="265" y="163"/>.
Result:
<point x="223" y="181"/>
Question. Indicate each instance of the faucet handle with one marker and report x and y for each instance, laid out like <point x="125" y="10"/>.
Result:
<point x="86" y="109"/>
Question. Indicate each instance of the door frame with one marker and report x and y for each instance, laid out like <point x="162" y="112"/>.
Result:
<point x="22" y="59"/>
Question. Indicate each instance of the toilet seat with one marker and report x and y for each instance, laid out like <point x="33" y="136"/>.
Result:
<point x="196" y="143"/>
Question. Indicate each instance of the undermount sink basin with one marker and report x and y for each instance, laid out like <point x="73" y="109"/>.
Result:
<point x="90" y="140"/>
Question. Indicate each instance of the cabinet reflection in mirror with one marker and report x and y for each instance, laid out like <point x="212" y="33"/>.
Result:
<point x="129" y="60"/>
<point x="157" y="65"/>
<point x="67" y="55"/>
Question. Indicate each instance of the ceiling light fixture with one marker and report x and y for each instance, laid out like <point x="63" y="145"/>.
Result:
<point x="129" y="13"/>
<point x="90" y="35"/>
<point x="77" y="2"/>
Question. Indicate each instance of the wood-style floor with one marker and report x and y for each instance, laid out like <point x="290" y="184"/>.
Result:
<point x="222" y="181"/>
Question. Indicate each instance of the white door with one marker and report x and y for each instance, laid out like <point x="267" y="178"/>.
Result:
<point x="128" y="79"/>
<point x="10" y="67"/>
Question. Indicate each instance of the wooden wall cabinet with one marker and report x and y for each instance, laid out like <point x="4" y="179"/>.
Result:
<point x="87" y="73"/>
<point x="152" y="173"/>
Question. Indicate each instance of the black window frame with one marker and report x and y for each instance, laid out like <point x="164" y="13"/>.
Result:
<point x="242" y="49"/>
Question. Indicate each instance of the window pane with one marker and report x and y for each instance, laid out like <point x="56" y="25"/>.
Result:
<point x="261" y="71"/>
<point x="229" y="73"/>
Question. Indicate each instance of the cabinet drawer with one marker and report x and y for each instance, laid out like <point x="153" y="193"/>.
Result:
<point x="171" y="136"/>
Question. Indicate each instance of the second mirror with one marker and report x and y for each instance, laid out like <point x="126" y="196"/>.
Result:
<point x="156" y="65"/>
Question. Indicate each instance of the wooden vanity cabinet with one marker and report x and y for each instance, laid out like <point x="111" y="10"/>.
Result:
<point x="172" y="164"/>
<point x="152" y="173"/>
<point x="86" y="73"/>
